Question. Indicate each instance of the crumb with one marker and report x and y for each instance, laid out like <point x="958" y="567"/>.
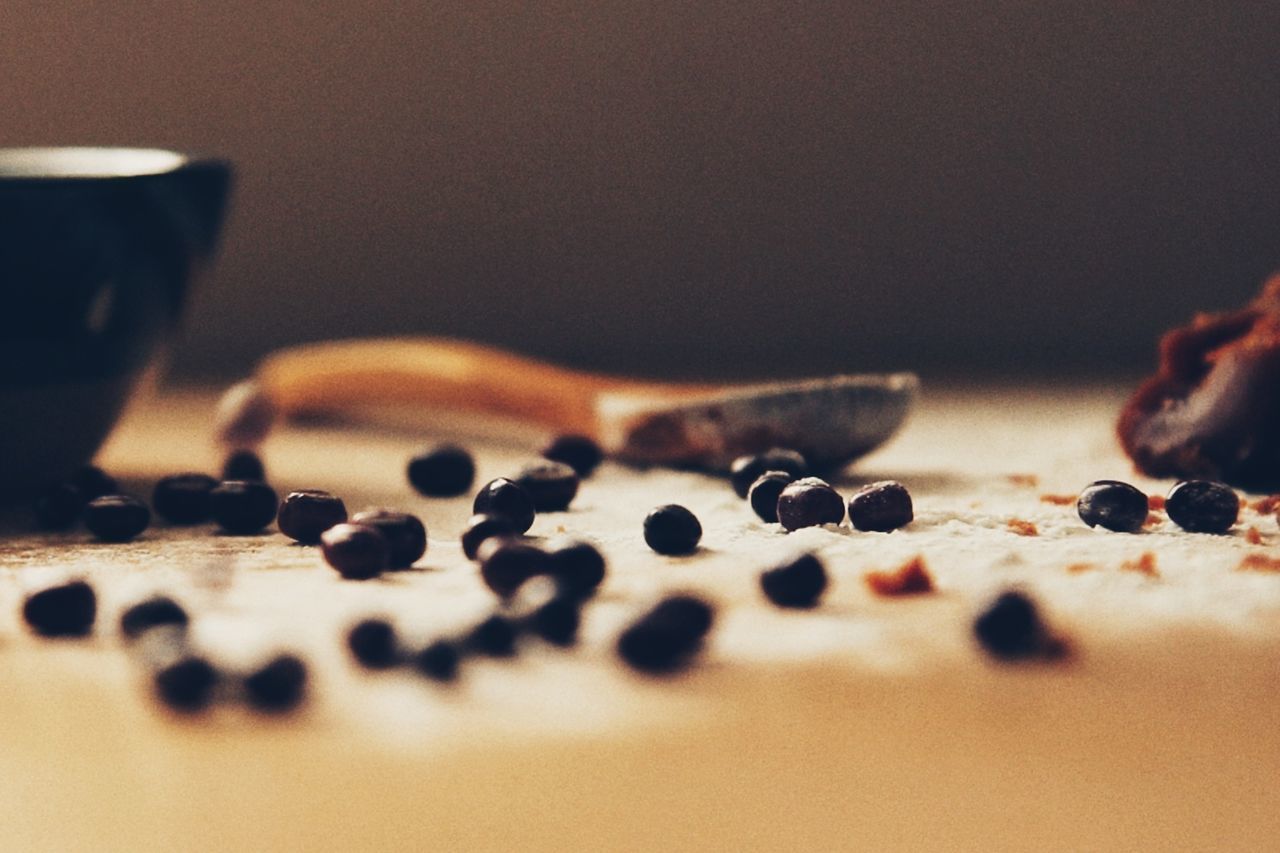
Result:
<point x="1155" y="503"/>
<point x="1077" y="568"/>
<point x="1151" y="520"/>
<point x="1023" y="479"/>
<point x="1267" y="505"/>
<point x="1022" y="527"/>
<point x="1059" y="500"/>
<point x="1259" y="563"/>
<point x="908" y="579"/>
<point x="1146" y="565"/>
<point x="1252" y="536"/>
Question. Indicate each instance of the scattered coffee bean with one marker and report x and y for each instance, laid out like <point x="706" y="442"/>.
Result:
<point x="66" y="610"/>
<point x="1113" y="505"/>
<point x="307" y="513"/>
<point x="557" y="621"/>
<point x="244" y="465"/>
<point x="1010" y="628"/>
<point x="666" y="637"/>
<point x="764" y="493"/>
<point x="186" y="684"/>
<point x="1202" y="506"/>
<point x="152" y="613"/>
<point x="183" y="498"/>
<point x="799" y="583"/>
<point x="577" y="451"/>
<point x="495" y="636"/>
<point x="93" y="482"/>
<point x="745" y="470"/>
<point x="442" y="472"/>
<point x="357" y="551"/>
<point x="373" y="643"/>
<point x="482" y="527"/>
<point x="439" y="660"/>
<point x="578" y="568"/>
<point x="672" y="530"/>
<point x="550" y="485"/>
<point x="116" y="518"/>
<point x="243" y="507"/>
<point x="406" y="535"/>
<point x="504" y="498"/>
<point x="809" y="502"/>
<point x="506" y="563"/>
<point x="278" y="685"/>
<point x="59" y="507"/>
<point x="881" y="507"/>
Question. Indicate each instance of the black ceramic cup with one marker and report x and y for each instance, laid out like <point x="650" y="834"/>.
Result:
<point x="97" y="249"/>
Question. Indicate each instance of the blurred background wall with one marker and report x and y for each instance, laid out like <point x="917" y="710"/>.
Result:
<point x="721" y="187"/>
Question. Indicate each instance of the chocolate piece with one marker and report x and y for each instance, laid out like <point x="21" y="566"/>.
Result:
<point x="116" y="518"/>
<point x="809" y="503"/>
<point x="745" y="470"/>
<point x="67" y="610"/>
<point x="373" y="643"/>
<point x="505" y="498"/>
<point x="671" y="529"/>
<point x="799" y="583"/>
<point x="244" y="465"/>
<point x="1113" y="505"/>
<point x="764" y="493"/>
<point x="505" y="564"/>
<point x="881" y="507"/>
<point x="578" y="568"/>
<point x="307" y="513"/>
<point x="186" y="684"/>
<point x="577" y="451"/>
<point x="1200" y="506"/>
<point x="406" y="535"/>
<point x="278" y="685"/>
<point x="664" y="639"/>
<point x="551" y="485"/>
<point x="495" y="637"/>
<point x="152" y="613"/>
<point x="438" y="661"/>
<point x="357" y="551"/>
<point x="183" y="498"/>
<point x="243" y="507"/>
<point x="442" y="472"/>
<point x="1212" y="410"/>
<point x="483" y="527"/>
<point x="556" y="621"/>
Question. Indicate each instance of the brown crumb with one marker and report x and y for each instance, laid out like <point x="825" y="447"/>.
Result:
<point x="1259" y="563"/>
<point x="1267" y="505"/>
<point x="1058" y="500"/>
<point x="1077" y="568"/>
<point x="1151" y="520"/>
<point x="1023" y="479"/>
<point x="911" y="578"/>
<point x="1252" y="536"/>
<point x="1155" y="503"/>
<point x="1023" y="527"/>
<point x="1146" y="565"/>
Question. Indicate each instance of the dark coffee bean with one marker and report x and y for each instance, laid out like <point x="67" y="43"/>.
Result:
<point x="278" y="685"/>
<point x="482" y="527"/>
<point x="672" y="529"/>
<point x="550" y="485"/>
<point x="357" y="551"/>
<point x="406" y="535"/>
<point x="881" y="507"/>
<point x="66" y="610"/>
<point x="152" y="613"/>
<point x="809" y="502"/>
<point x="183" y="498"/>
<point x="439" y="661"/>
<point x="578" y="568"/>
<point x="93" y="482"/>
<point x="556" y="621"/>
<point x="1202" y="506"/>
<point x="495" y="636"/>
<point x="577" y="451"/>
<point x="764" y="493"/>
<point x="506" y="563"/>
<point x="186" y="684"/>
<point x="799" y="583"/>
<point x="745" y="470"/>
<point x="504" y="498"/>
<point x="116" y="518"/>
<point x="244" y="465"/>
<point x="1113" y="505"/>
<point x="373" y="643"/>
<point x="307" y="513"/>
<point x="243" y="506"/>
<point x="442" y="472"/>
<point x="1010" y="628"/>
<point x="59" y="507"/>
<point x="664" y="639"/>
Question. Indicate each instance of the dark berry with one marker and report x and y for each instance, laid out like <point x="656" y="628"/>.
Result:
<point x="495" y="636"/>
<point x="1202" y="506"/>
<point x="799" y="583"/>
<point x="672" y="529"/>
<point x="152" y="613"/>
<point x="116" y="518"/>
<point x="59" y="507"/>
<point x="482" y="527"/>
<point x="244" y="465"/>
<point x="504" y="498"/>
<point x="764" y="492"/>
<point x="186" y="684"/>
<point x="183" y="498"/>
<point x="93" y="482"/>
<point x="550" y="485"/>
<point x="745" y="470"/>
<point x="442" y="472"/>
<point x="1113" y="505"/>
<point x="373" y="643"/>
<point x="505" y="564"/>
<point x="663" y="639"/>
<point x="1010" y="627"/>
<point x="578" y="568"/>
<point x="577" y="451"/>
<point x="556" y="621"/>
<point x="357" y="551"/>
<point x="243" y="506"/>
<point x="278" y="685"/>
<point x="881" y="507"/>
<point x="808" y="503"/>
<point x="439" y="661"/>
<point x="307" y="513"/>
<point x="66" y="610"/>
<point x="405" y="534"/>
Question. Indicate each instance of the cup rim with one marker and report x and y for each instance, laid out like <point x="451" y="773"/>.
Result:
<point x="89" y="163"/>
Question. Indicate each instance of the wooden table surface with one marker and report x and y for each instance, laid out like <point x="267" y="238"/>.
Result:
<point x="867" y="723"/>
